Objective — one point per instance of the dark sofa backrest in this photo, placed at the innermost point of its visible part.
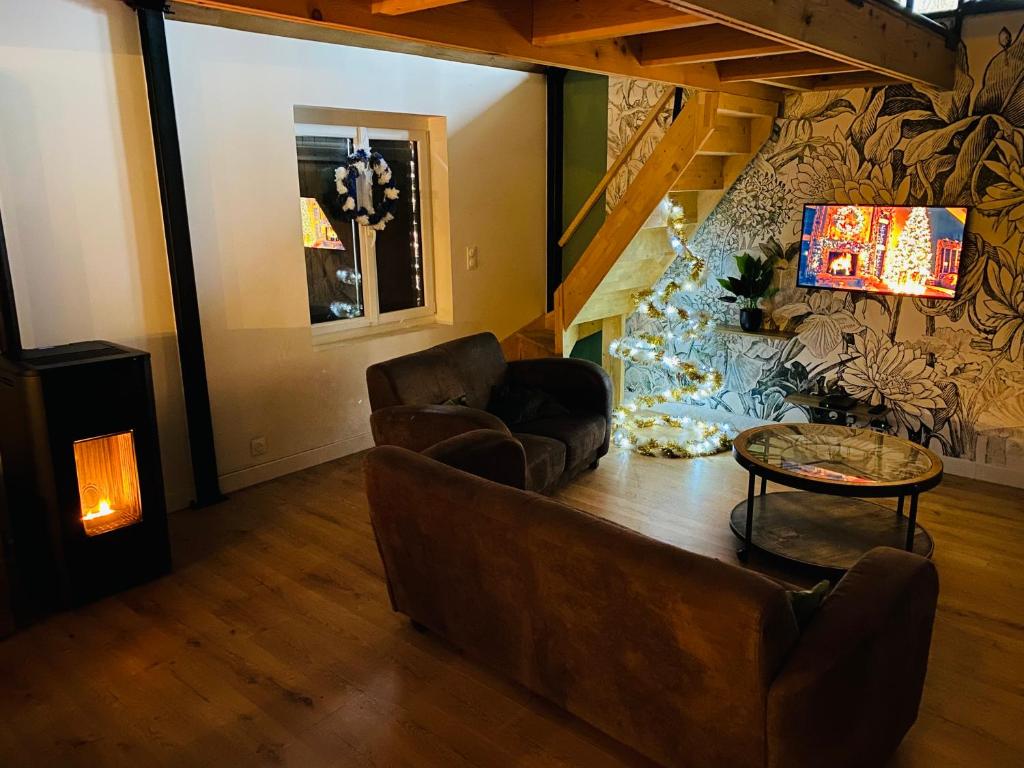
(469, 366)
(668, 651)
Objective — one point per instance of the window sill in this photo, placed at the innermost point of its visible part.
(332, 338)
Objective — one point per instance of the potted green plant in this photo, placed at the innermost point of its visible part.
(753, 284)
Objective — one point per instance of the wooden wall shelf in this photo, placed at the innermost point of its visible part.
(769, 333)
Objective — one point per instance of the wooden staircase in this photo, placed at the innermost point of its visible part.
(702, 153)
(534, 340)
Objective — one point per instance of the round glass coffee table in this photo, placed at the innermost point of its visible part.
(826, 523)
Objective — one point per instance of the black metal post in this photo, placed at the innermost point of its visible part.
(556, 137)
(677, 103)
(748, 534)
(179, 249)
(912, 522)
(10, 333)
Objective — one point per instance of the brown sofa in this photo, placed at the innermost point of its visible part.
(688, 660)
(408, 397)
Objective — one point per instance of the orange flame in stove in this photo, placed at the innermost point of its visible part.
(102, 510)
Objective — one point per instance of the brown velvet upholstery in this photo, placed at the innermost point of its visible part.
(579, 385)
(545, 459)
(405, 392)
(486, 453)
(582, 436)
(469, 366)
(689, 660)
(420, 426)
(858, 671)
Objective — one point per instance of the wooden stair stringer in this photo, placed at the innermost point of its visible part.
(670, 159)
(701, 193)
(701, 155)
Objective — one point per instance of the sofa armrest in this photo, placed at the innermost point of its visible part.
(416, 427)
(579, 385)
(486, 453)
(850, 689)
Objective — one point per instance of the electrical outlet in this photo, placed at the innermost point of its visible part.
(258, 446)
(472, 257)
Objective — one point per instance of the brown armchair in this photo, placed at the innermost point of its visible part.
(411, 402)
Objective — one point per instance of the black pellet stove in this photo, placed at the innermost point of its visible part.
(81, 462)
(83, 512)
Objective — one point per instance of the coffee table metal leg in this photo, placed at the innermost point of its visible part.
(912, 522)
(764, 485)
(899, 507)
(744, 551)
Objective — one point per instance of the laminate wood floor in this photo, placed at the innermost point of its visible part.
(273, 643)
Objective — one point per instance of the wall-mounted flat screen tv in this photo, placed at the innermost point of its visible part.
(892, 250)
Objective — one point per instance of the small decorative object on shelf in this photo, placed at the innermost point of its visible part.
(753, 284)
(833, 405)
(347, 177)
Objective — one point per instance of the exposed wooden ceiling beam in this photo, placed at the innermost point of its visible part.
(493, 32)
(702, 44)
(398, 7)
(791, 65)
(556, 22)
(833, 82)
(870, 34)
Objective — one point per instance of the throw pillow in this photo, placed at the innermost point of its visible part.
(518, 404)
(805, 602)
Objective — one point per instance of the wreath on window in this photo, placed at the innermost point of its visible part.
(346, 178)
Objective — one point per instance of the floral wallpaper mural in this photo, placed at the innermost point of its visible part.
(630, 101)
(952, 372)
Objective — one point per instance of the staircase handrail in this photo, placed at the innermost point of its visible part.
(616, 166)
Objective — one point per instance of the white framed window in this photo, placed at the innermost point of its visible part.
(361, 280)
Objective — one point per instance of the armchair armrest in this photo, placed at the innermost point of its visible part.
(850, 689)
(416, 427)
(486, 453)
(579, 385)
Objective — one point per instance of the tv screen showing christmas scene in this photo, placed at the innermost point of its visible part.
(895, 250)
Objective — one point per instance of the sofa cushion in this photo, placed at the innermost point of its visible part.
(479, 364)
(470, 366)
(806, 602)
(516, 403)
(581, 433)
(423, 378)
(545, 461)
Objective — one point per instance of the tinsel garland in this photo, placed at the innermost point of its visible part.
(345, 179)
(713, 438)
(692, 264)
(693, 382)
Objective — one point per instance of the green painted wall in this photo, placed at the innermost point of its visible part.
(584, 161)
(588, 348)
(585, 156)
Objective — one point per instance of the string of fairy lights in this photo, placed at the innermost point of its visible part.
(658, 434)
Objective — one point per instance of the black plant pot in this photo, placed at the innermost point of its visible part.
(750, 319)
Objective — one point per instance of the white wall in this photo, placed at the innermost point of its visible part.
(78, 191)
(82, 216)
(234, 93)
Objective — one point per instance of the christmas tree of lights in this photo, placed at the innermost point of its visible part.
(636, 426)
(909, 264)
